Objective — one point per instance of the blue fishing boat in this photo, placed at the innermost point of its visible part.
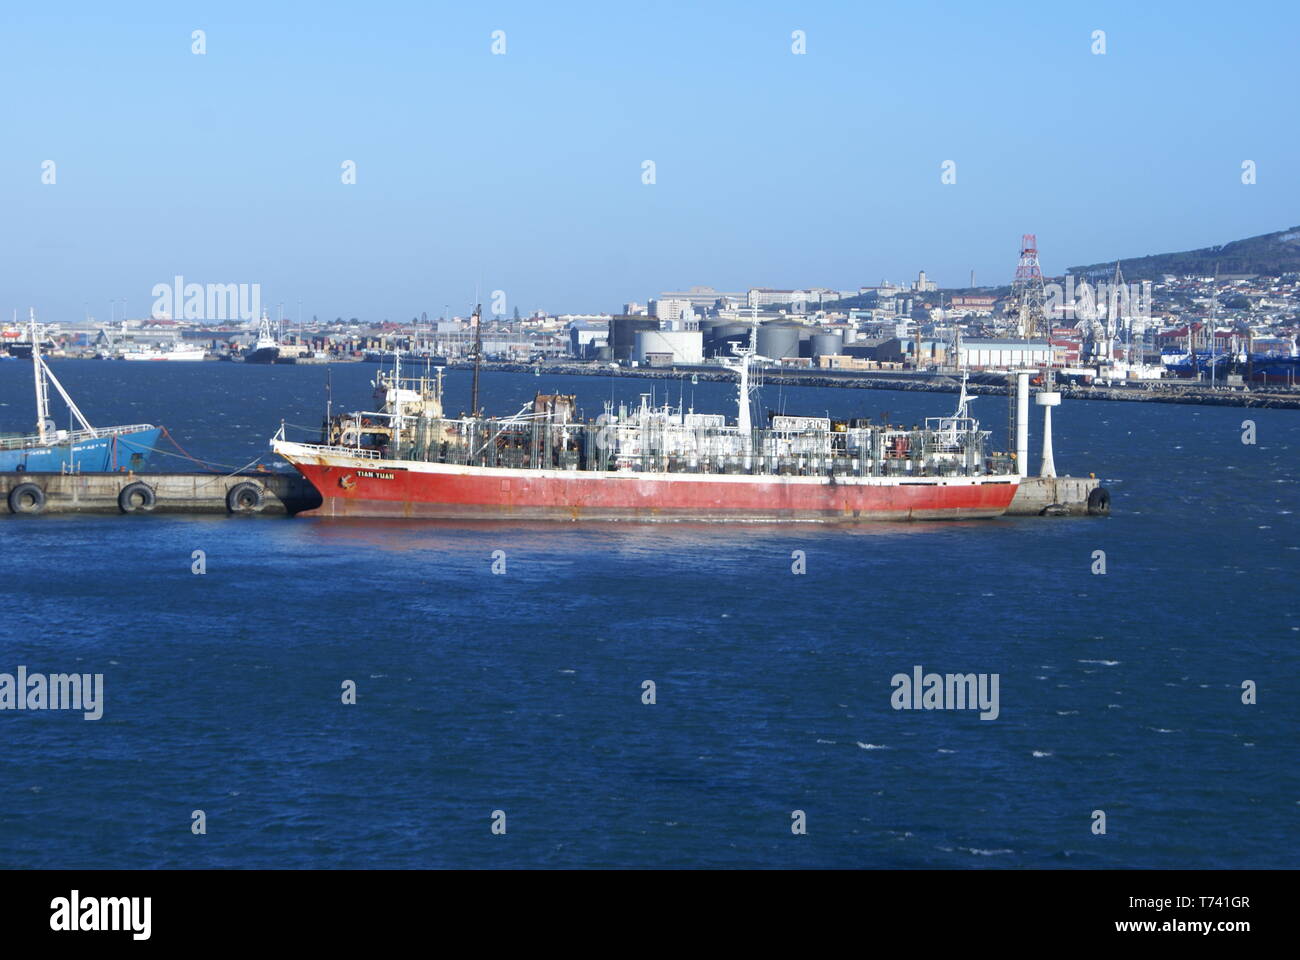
(1266, 368)
(87, 450)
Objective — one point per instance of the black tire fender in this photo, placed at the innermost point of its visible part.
(128, 495)
(1099, 502)
(245, 497)
(27, 498)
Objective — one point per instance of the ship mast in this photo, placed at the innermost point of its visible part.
(478, 358)
(42, 388)
(44, 376)
(742, 400)
(397, 385)
(264, 338)
(963, 399)
(744, 356)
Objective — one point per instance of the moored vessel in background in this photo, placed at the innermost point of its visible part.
(10, 335)
(16, 340)
(267, 348)
(172, 352)
(1272, 368)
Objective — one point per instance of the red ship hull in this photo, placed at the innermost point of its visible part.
(353, 487)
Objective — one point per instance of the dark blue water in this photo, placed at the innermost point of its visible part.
(522, 692)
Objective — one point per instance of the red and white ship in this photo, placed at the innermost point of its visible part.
(647, 462)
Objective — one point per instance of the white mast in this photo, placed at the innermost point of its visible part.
(744, 357)
(742, 398)
(264, 338)
(44, 373)
(38, 371)
(963, 399)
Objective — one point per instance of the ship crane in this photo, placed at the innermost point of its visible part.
(45, 376)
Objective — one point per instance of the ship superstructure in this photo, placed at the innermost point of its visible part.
(644, 461)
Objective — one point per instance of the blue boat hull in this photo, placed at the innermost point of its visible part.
(1263, 368)
(123, 451)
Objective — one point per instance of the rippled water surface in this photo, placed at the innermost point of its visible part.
(522, 692)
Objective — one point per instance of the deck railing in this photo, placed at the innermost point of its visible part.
(364, 452)
(57, 438)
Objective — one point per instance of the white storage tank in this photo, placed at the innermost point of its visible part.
(683, 346)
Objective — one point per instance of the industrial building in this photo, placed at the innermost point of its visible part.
(1004, 354)
(900, 349)
(701, 298)
(586, 338)
(622, 334)
(971, 354)
(674, 314)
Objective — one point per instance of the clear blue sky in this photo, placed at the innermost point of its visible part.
(522, 172)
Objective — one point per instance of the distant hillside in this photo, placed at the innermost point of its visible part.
(1270, 254)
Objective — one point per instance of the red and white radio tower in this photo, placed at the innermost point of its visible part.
(1028, 296)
